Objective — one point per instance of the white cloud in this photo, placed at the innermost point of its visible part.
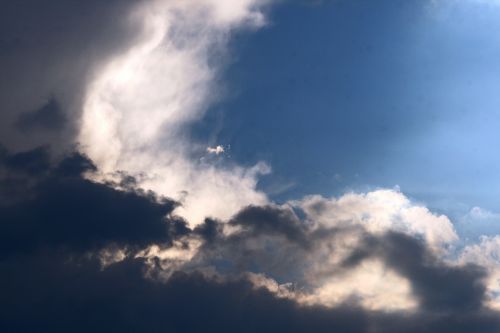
(371, 284)
(487, 254)
(479, 221)
(138, 108)
(215, 150)
(481, 214)
(380, 211)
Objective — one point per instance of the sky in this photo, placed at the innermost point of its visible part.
(249, 165)
(371, 94)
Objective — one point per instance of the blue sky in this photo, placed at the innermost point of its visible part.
(350, 95)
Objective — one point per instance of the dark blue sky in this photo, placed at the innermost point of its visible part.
(361, 94)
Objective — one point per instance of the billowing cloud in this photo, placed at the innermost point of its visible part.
(138, 108)
(379, 211)
(119, 251)
(487, 254)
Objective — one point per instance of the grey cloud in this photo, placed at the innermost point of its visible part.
(269, 220)
(49, 117)
(49, 51)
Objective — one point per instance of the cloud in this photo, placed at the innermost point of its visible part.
(439, 287)
(308, 255)
(371, 284)
(487, 254)
(136, 232)
(479, 221)
(119, 298)
(332, 264)
(48, 117)
(52, 51)
(215, 150)
(380, 211)
(53, 206)
(78, 255)
(139, 106)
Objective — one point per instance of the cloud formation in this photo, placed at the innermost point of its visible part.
(81, 255)
(379, 211)
(125, 80)
(48, 54)
(136, 231)
(138, 108)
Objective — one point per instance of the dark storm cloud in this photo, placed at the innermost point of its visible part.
(56, 207)
(48, 52)
(33, 162)
(120, 299)
(49, 283)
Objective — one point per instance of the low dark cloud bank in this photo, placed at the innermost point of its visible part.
(57, 208)
(55, 220)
